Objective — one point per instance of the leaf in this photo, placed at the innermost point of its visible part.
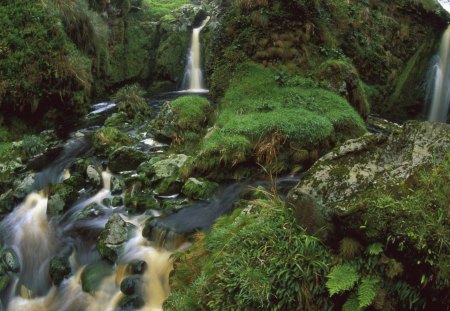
(367, 291)
(341, 278)
(352, 304)
(375, 249)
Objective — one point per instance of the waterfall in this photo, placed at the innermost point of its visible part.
(438, 84)
(445, 4)
(193, 78)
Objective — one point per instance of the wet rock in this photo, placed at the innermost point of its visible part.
(6, 202)
(147, 167)
(26, 186)
(10, 260)
(117, 185)
(132, 285)
(116, 201)
(138, 266)
(62, 198)
(77, 181)
(165, 124)
(169, 186)
(91, 211)
(174, 204)
(55, 205)
(169, 167)
(59, 267)
(140, 201)
(93, 275)
(125, 159)
(93, 176)
(131, 303)
(112, 238)
(80, 167)
(198, 189)
(106, 202)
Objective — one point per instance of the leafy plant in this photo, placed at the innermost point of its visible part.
(130, 100)
(341, 278)
(33, 145)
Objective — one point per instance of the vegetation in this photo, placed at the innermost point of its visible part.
(272, 119)
(107, 139)
(256, 260)
(130, 100)
(161, 8)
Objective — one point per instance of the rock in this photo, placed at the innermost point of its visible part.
(6, 202)
(131, 303)
(374, 158)
(174, 204)
(125, 158)
(62, 198)
(10, 260)
(117, 185)
(59, 267)
(132, 285)
(91, 211)
(140, 201)
(165, 124)
(137, 266)
(168, 167)
(4, 282)
(169, 186)
(112, 238)
(55, 205)
(116, 119)
(93, 176)
(80, 167)
(106, 202)
(198, 189)
(116, 201)
(93, 275)
(26, 186)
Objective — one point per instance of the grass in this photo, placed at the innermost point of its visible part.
(192, 112)
(130, 100)
(159, 8)
(257, 260)
(257, 112)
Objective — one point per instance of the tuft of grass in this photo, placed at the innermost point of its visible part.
(107, 139)
(130, 100)
(158, 8)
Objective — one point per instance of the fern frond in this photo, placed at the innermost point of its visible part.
(375, 249)
(367, 291)
(341, 278)
(352, 304)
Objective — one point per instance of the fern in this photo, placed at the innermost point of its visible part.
(341, 278)
(375, 249)
(367, 291)
(352, 304)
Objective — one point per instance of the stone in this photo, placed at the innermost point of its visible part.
(132, 285)
(117, 185)
(6, 202)
(198, 188)
(131, 303)
(116, 201)
(93, 275)
(125, 159)
(169, 167)
(140, 201)
(10, 260)
(93, 176)
(112, 238)
(62, 198)
(59, 267)
(91, 211)
(169, 186)
(26, 186)
(138, 266)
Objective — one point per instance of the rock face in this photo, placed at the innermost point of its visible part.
(112, 238)
(373, 159)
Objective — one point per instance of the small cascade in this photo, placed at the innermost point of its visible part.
(193, 77)
(438, 84)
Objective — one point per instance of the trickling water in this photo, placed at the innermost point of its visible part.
(438, 85)
(193, 78)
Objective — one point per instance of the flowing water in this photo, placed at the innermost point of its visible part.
(438, 82)
(193, 78)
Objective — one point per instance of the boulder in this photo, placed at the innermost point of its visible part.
(62, 198)
(132, 285)
(10, 260)
(112, 238)
(116, 201)
(168, 167)
(91, 211)
(25, 186)
(117, 185)
(131, 303)
(93, 275)
(59, 267)
(93, 176)
(140, 201)
(137, 266)
(125, 159)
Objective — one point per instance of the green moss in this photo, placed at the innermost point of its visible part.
(130, 100)
(161, 8)
(192, 112)
(107, 139)
(198, 188)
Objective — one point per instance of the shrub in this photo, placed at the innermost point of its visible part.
(33, 145)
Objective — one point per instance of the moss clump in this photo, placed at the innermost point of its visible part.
(107, 139)
(252, 260)
(198, 188)
(262, 120)
(161, 8)
(130, 100)
(193, 112)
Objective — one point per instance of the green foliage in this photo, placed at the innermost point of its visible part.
(341, 278)
(33, 145)
(159, 8)
(193, 112)
(41, 70)
(271, 117)
(107, 139)
(257, 260)
(130, 100)
(367, 291)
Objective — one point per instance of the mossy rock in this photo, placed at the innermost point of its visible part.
(108, 139)
(112, 238)
(59, 267)
(116, 120)
(140, 202)
(125, 159)
(62, 198)
(94, 274)
(199, 188)
(169, 186)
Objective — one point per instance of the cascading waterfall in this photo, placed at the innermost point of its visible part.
(193, 77)
(438, 84)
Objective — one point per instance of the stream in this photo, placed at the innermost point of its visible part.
(34, 239)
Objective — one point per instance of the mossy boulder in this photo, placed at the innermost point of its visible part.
(62, 197)
(93, 275)
(125, 159)
(25, 186)
(140, 201)
(112, 238)
(117, 119)
(59, 267)
(108, 139)
(91, 211)
(199, 188)
(170, 167)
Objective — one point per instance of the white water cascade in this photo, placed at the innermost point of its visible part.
(193, 77)
(439, 86)
(445, 4)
